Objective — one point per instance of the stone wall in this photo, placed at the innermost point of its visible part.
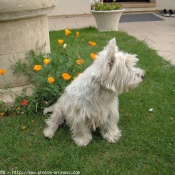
(23, 26)
(73, 7)
(165, 4)
(79, 7)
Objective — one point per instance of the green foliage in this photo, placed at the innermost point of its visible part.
(63, 60)
(105, 6)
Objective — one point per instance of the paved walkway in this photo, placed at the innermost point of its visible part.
(159, 35)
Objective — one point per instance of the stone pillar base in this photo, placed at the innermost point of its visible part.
(23, 26)
(18, 37)
(8, 95)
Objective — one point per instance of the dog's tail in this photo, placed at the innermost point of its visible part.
(54, 121)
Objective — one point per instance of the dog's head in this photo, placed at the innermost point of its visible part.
(117, 71)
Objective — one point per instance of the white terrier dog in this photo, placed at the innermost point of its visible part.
(91, 100)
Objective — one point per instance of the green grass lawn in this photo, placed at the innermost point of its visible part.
(147, 145)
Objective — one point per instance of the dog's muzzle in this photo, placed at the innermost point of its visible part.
(143, 76)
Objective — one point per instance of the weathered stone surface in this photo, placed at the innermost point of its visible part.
(23, 26)
(10, 9)
(9, 95)
(21, 35)
(17, 38)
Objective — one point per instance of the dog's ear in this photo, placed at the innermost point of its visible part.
(106, 59)
(112, 42)
(111, 50)
(106, 65)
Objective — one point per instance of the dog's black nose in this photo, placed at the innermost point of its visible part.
(143, 76)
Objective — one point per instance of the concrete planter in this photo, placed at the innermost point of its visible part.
(107, 20)
(23, 26)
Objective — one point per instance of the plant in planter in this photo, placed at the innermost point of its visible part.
(98, 6)
(107, 15)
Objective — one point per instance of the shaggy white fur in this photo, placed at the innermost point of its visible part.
(91, 100)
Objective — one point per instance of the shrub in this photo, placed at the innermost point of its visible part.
(105, 6)
(51, 73)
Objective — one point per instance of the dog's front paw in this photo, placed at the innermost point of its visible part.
(113, 136)
(82, 141)
(48, 133)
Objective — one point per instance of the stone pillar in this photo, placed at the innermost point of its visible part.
(23, 26)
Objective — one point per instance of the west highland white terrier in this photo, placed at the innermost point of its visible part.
(91, 101)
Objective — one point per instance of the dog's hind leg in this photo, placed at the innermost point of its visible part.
(53, 122)
(49, 109)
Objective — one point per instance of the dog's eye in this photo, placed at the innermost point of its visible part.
(138, 75)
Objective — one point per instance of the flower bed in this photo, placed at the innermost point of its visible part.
(51, 73)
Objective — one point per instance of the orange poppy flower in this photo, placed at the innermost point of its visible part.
(92, 43)
(2, 71)
(46, 61)
(37, 67)
(77, 34)
(93, 56)
(66, 76)
(60, 41)
(67, 32)
(80, 61)
(50, 80)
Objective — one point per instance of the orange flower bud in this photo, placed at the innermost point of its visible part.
(80, 61)
(66, 76)
(50, 80)
(77, 34)
(37, 67)
(2, 71)
(93, 56)
(46, 61)
(67, 32)
(92, 43)
(60, 41)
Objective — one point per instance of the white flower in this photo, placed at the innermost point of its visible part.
(151, 110)
(65, 45)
